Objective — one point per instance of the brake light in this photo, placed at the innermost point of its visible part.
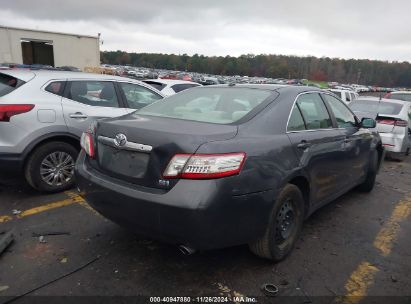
(401, 123)
(393, 122)
(86, 143)
(8, 110)
(388, 95)
(386, 121)
(204, 166)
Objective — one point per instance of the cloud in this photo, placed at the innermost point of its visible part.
(359, 29)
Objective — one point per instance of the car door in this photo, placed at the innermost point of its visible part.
(319, 146)
(87, 100)
(137, 96)
(357, 140)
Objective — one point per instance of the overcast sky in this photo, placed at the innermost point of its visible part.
(373, 29)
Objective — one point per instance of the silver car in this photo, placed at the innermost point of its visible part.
(43, 114)
(393, 122)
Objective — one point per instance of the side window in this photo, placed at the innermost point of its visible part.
(352, 96)
(296, 122)
(314, 111)
(344, 117)
(138, 96)
(347, 97)
(56, 87)
(337, 93)
(94, 93)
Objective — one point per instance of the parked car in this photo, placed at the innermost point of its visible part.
(345, 95)
(218, 166)
(393, 122)
(43, 114)
(399, 95)
(171, 86)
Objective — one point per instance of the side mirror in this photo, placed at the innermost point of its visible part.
(368, 123)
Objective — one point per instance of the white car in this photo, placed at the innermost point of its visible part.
(170, 87)
(345, 95)
(399, 95)
(393, 122)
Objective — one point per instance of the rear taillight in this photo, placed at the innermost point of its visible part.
(204, 166)
(388, 95)
(393, 122)
(401, 123)
(8, 110)
(386, 121)
(86, 143)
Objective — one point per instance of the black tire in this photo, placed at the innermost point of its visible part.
(36, 161)
(273, 245)
(369, 182)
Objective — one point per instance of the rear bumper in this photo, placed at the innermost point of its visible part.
(202, 214)
(394, 143)
(11, 165)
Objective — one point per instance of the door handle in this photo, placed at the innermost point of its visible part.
(303, 145)
(347, 140)
(78, 115)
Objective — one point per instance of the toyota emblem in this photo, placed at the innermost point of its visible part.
(120, 140)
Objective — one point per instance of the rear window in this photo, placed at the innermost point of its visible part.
(183, 86)
(213, 105)
(9, 83)
(382, 107)
(337, 93)
(157, 85)
(400, 96)
(56, 87)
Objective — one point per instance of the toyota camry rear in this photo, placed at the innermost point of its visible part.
(219, 166)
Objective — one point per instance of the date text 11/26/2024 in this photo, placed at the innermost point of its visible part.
(204, 299)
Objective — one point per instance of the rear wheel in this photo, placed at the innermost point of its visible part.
(284, 226)
(50, 167)
(369, 182)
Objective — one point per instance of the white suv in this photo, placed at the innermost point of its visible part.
(345, 95)
(43, 114)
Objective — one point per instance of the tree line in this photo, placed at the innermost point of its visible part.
(362, 71)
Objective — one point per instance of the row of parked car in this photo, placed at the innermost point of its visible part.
(208, 167)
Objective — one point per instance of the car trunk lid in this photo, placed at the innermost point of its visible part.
(386, 123)
(150, 143)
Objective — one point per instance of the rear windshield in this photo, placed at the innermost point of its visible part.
(400, 96)
(183, 86)
(214, 105)
(9, 84)
(157, 85)
(382, 107)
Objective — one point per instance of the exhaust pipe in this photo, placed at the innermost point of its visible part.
(186, 250)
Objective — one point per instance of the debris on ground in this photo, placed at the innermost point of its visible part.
(6, 240)
(394, 279)
(270, 290)
(54, 280)
(42, 239)
(3, 288)
(64, 260)
(16, 211)
(330, 290)
(284, 282)
(35, 234)
(299, 287)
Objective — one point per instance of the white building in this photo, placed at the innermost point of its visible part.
(26, 46)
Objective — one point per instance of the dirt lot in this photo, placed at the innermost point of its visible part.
(358, 246)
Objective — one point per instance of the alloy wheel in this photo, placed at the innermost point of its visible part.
(57, 168)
